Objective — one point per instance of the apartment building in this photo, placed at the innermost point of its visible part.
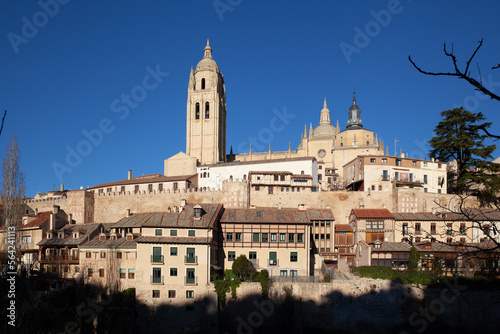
(276, 182)
(386, 173)
(370, 225)
(277, 240)
(177, 253)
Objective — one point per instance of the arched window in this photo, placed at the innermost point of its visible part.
(203, 83)
(197, 112)
(302, 172)
(205, 174)
(341, 144)
(207, 110)
(367, 143)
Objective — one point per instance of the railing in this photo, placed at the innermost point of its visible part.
(272, 262)
(156, 258)
(191, 280)
(255, 262)
(385, 178)
(191, 259)
(418, 232)
(157, 280)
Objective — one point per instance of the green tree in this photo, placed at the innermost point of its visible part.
(458, 139)
(243, 268)
(414, 257)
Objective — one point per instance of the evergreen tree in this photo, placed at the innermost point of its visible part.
(458, 139)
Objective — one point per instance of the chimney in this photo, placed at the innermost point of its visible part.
(55, 209)
(123, 233)
(62, 187)
(36, 211)
(130, 236)
(70, 218)
(302, 207)
(183, 202)
(129, 174)
(128, 212)
(52, 225)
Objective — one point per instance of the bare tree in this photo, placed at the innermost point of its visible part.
(465, 74)
(12, 192)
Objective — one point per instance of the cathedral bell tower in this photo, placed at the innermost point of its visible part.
(206, 112)
(354, 121)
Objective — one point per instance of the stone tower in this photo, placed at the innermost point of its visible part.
(354, 121)
(206, 112)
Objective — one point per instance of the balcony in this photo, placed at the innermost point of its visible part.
(385, 178)
(157, 279)
(418, 232)
(191, 280)
(191, 259)
(255, 262)
(272, 262)
(157, 259)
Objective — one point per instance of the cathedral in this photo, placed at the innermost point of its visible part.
(206, 141)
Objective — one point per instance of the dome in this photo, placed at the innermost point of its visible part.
(207, 63)
(324, 130)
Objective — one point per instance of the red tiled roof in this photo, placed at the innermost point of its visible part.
(342, 228)
(265, 216)
(372, 213)
(42, 217)
(320, 214)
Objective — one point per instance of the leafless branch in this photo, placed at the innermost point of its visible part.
(3, 120)
(465, 75)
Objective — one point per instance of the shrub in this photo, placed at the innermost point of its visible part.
(414, 258)
(243, 268)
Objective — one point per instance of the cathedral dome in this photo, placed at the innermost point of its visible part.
(324, 130)
(207, 63)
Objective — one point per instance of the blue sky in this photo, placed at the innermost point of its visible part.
(64, 66)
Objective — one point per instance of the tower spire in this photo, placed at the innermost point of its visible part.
(208, 50)
(354, 121)
(325, 114)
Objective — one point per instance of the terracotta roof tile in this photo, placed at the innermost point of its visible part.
(372, 213)
(320, 214)
(342, 228)
(152, 178)
(173, 240)
(265, 216)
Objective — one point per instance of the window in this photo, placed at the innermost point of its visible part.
(231, 256)
(396, 176)
(425, 179)
(203, 83)
(238, 237)
(282, 237)
(252, 255)
(173, 251)
(171, 293)
(119, 254)
(156, 278)
(189, 294)
(425, 164)
(274, 237)
(265, 237)
(276, 177)
(257, 188)
(273, 258)
(417, 228)
(190, 255)
(156, 293)
(122, 189)
(150, 187)
(156, 257)
(449, 228)
(173, 271)
(191, 233)
(373, 160)
(384, 160)
(123, 273)
(207, 110)
(256, 237)
(88, 254)
(270, 190)
(300, 237)
(283, 272)
(197, 111)
(26, 239)
(373, 187)
(405, 229)
(131, 273)
(103, 254)
(282, 177)
(90, 272)
(229, 237)
(293, 256)
(379, 187)
(173, 233)
(160, 186)
(158, 232)
(414, 163)
(398, 162)
(190, 278)
(374, 225)
(293, 273)
(136, 189)
(291, 237)
(433, 228)
(462, 228)
(101, 272)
